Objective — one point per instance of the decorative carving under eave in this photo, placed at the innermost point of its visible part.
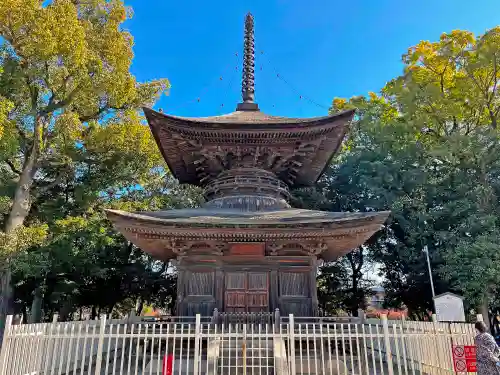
(274, 247)
(210, 160)
(303, 230)
(221, 248)
(313, 248)
(187, 247)
(178, 247)
(298, 154)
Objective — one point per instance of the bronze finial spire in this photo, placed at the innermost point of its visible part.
(248, 77)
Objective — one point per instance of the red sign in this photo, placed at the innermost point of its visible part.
(464, 358)
(168, 362)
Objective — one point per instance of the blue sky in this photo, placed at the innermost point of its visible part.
(321, 48)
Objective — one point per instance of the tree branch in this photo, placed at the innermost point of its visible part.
(12, 167)
(54, 106)
(101, 111)
(20, 131)
(58, 180)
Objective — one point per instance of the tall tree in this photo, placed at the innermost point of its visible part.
(66, 66)
(430, 141)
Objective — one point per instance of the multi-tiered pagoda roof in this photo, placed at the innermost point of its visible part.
(247, 162)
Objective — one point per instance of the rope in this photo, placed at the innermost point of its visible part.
(228, 89)
(206, 88)
(292, 87)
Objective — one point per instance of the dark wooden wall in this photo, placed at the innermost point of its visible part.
(246, 284)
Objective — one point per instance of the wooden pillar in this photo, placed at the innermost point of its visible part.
(274, 301)
(313, 286)
(219, 289)
(181, 289)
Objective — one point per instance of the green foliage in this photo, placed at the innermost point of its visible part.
(427, 149)
(68, 86)
(72, 143)
(21, 239)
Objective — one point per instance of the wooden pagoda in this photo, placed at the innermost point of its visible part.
(246, 249)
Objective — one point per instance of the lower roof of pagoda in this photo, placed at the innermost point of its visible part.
(296, 150)
(158, 232)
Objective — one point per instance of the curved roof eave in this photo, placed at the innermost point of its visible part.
(249, 119)
(291, 217)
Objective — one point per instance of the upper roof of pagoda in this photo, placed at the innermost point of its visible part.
(296, 150)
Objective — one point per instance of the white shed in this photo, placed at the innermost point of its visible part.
(449, 307)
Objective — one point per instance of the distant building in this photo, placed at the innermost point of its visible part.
(376, 299)
(375, 305)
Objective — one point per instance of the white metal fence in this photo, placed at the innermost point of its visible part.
(290, 347)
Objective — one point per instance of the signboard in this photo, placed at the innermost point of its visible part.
(464, 358)
(449, 308)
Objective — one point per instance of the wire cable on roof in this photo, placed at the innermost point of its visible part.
(208, 87)
(229, 86)
(292, 87)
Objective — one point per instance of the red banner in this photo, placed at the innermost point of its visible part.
(168, 364)
(464, 358)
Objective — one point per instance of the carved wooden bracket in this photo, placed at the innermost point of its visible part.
(212, 159)
(309, 248)
(186, 247)
(314, 248)
(274, 247)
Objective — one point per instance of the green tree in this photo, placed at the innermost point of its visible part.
(426, 148)
(66, 69)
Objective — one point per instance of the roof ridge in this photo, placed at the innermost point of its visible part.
(245, 117)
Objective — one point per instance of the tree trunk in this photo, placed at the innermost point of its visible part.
(22, 196)
(93, 313)
(354, 302)
(110, 311)
(139, 306)
(484, 311)
(18, 213)
(66, 310)
(36, 305)
(25, 314)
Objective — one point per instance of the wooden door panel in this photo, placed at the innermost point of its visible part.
(294, 284)
(246, 291)
(235, 299)
(257, 300)
(201, 284)
(236, 280)
(257, 281)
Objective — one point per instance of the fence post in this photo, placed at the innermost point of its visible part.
(244, 350)
(215, 317)
(387, 342)
(197, 339)
(277, 320)
(439, 342)
(100, 345)
(3, 348)
(291, 343)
